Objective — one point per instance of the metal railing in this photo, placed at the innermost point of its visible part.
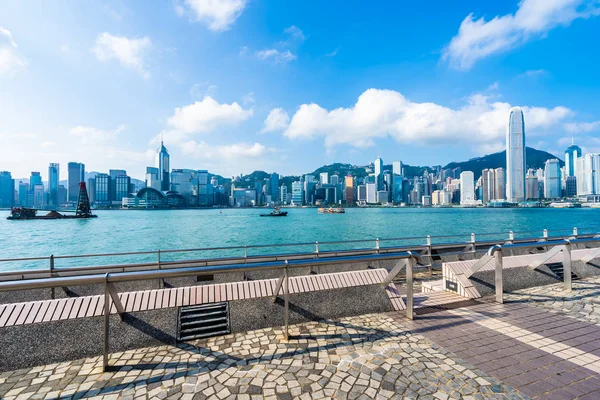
(348, 247)
(111, 296)
(563, 246)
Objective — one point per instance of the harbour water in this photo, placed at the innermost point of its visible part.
(129, 231)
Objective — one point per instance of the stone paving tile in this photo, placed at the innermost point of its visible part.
(370, 356)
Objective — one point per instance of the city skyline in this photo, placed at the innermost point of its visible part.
(284, 88)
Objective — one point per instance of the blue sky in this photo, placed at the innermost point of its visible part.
(287, 86)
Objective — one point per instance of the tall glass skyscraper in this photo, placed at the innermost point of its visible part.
(7, 189)
(572, 153)
(379, 173)
(76, 175)
(162, 163)
(552, 179)
(515, 156)
(53, 178)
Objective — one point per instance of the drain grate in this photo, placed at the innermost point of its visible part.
(199, 322)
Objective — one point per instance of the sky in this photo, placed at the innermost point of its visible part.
(234, 86)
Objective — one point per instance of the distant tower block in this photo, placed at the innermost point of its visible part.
(515, 156)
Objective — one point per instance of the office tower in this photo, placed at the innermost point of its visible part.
(274, 187)
(349, 184)
(112, 187)
(515, 156)
(334, 179)
(456, 172)
(552, 180)
(309, 187)
(102, 188)
(378, 167)
(153, 178)
(371, 194)
(572, 153)
(38, 194)
(185, 183)
(467, 187)
(163, 165)
(397, 168)
(62, 194)
(122, 184)
(35, 179)
(23, 190)
(7, 189)
(53, 179)
(206, 189)
(297, 192)
(488, 185)
(532, 187)
(75, 175)
(283, 194)
(571, 187)
(324, 178)
(500, 184)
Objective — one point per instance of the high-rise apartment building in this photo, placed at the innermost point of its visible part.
(588, 174)
(75, 175)
(53, 179)
(488, 185)
(500, 184)
(552, 180)
(467, 188)
(515, 156)
(572, 153)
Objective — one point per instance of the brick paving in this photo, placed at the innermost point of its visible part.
(370, 356)
(528, 342)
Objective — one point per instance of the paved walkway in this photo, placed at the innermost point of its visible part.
(362, 357)
(544, 343)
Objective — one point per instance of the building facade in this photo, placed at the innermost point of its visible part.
(467, 188)
(515, 156)
(75, 175)
(53, 179)
(7, 189)
(552, 180)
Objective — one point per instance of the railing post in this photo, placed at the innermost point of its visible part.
(106, 323)
(567, 266)
(545, 233)
(377, 245)
(430, 266)
(246, 253)
(161, 282)
(286, 301)
(409, 288)
(511, 237)
(498, 277)
(473, 248)
(317, 248)
(575, 233)
(52, 293)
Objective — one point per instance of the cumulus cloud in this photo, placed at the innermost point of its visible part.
(277, 120)
(218, 15)
(381, 113)
(206, 115)
(280, 57)
(578, 127)
(478, 38)
(533, 73)
(129, 52)
(295, 33)
(10, 58)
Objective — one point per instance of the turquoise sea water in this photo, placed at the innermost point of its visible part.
(127, 231)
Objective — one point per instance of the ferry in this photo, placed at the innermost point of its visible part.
(331, 210)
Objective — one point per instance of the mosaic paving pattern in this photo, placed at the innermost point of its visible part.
(370, 356)
(582, 303)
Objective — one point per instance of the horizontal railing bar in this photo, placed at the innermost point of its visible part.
(96, 279)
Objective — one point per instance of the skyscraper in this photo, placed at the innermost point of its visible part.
(572, 153)
(324, 177)
(349, 190)
(379, 173)
(467, 187)
(76, 175)
(274, 187)
(552, 181)
(53, 179)
(397, 168)
(500, 186)
(162, 163)
(7, 189)
(515, 156)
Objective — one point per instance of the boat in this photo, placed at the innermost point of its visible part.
(275, 213)
(83, 211)
(331, 210)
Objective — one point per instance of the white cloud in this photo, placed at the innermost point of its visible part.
(129, 52)
(219, 15)
(333, 53)
(248, 98)
(477, 38)
(494, 86)
(577, 127)
(206, 115)
(10, 58)
(381, 113)
(91, 135)
(295, 33)
(534, 72)
(280, 57)
(277, 120)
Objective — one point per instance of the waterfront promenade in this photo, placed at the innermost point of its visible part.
(542, 343)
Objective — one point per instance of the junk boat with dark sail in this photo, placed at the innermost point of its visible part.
(83, 210)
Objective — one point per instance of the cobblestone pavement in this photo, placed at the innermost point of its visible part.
(370, 356)
(582, 303)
